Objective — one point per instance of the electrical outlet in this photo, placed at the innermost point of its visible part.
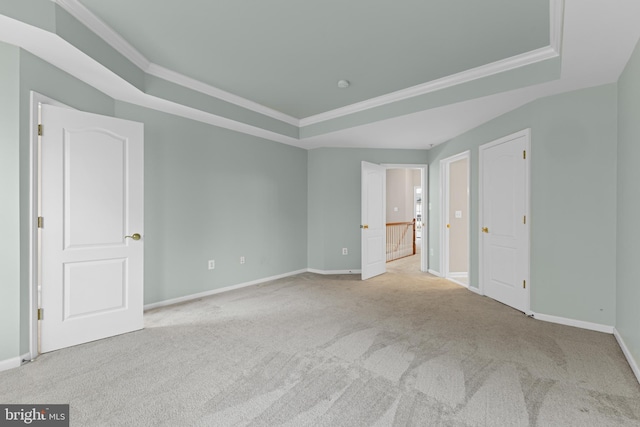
(212, 264)
(345, 251)
(242, 260)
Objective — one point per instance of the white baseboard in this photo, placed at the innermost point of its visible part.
(475, 290)
(627, 354)
(459, 274)
(219, 290)
(12, 363)
(572, 322)
(325, 272)
(435, 273)
(453, 280)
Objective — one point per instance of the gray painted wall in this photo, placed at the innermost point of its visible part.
(573, 198)
(9, 203)
(335, 202)
(39, 76)
(628, 208)
(22, 72)
(33, 74)
(210, 194)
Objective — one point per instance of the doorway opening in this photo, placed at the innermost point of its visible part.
(455, 215)
(405, 216)
(374, 216)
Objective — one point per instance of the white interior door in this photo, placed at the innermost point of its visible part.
(373, 226)
(504, 193)
(92, 201)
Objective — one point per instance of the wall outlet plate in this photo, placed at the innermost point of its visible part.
(345, 251)
(212, 264)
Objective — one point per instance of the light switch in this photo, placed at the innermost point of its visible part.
(458, 214)
(395, 209)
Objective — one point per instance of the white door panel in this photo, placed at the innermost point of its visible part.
(94, 287)
(373, 226)
(94, 162)
(92, 197)
(504, 232)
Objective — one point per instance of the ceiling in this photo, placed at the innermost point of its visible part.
(597, 42)
(422, 71)
(288, 55)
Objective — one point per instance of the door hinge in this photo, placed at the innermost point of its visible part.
(40, 313)
(40, 222)
(39, 130)
(524, 284)
(524, 219)
(524, 154)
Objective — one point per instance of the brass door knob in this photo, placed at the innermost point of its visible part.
(448, 225)
(134, 236)
(366, 226)
(485, 229)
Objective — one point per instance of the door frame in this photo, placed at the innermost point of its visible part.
(36, 99)
(424, 180)
(444, 215)
(527, 177)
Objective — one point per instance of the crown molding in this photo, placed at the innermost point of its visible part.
(455, 79)
(61, 54)
(177, 109)
(556, 17)
(105, 32)
(556, 12)
(198, 86)
(556, 27)
(556, 24)
(116, 41)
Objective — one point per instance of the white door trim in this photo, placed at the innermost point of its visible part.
(424, 175)
(36, 99)
(527, 134)
(444, 214)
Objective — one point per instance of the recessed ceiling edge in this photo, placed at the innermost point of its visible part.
(110, 36)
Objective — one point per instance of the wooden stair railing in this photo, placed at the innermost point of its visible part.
(401, 240)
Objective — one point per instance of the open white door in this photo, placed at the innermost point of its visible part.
(504, 243)
(373, 226)
(92, 209)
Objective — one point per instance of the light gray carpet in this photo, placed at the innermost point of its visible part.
(403, 349)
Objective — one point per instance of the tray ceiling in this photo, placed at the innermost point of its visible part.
(288, 55)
